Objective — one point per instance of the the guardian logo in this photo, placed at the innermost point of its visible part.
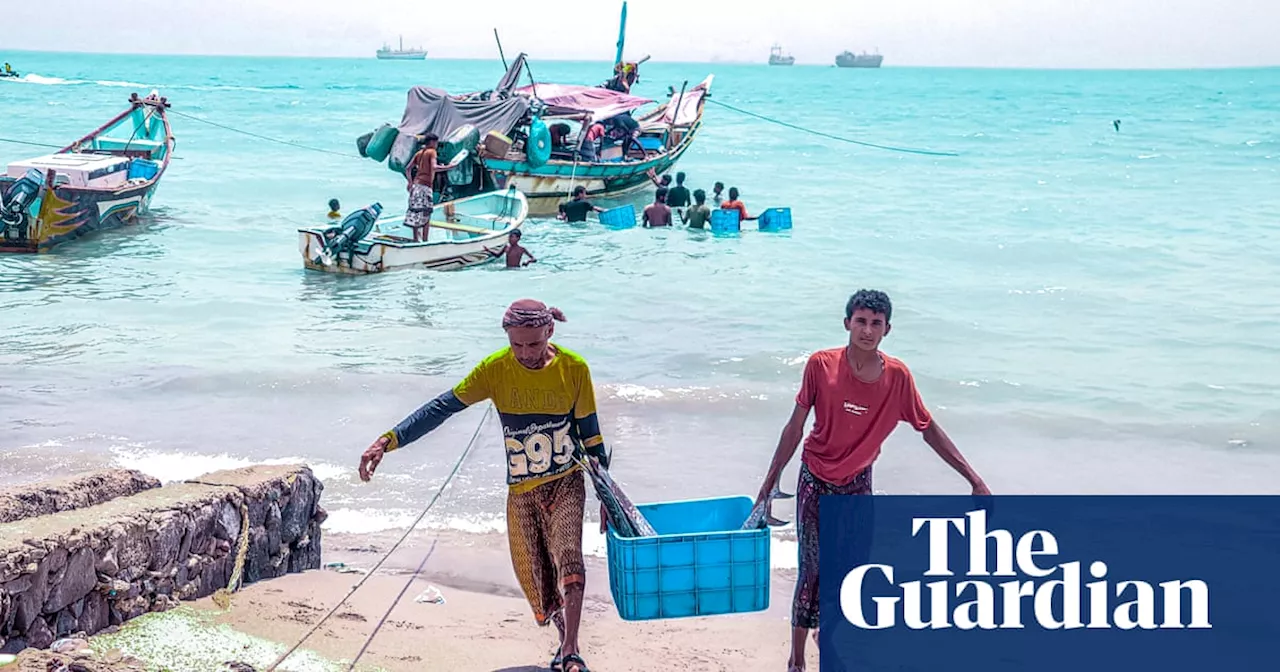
(1135, 603)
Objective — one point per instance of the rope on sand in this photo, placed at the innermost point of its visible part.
(261, 137)
(222, 597)
(779, 122)
(457, 465)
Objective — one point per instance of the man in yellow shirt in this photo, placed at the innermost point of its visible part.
(546, 401)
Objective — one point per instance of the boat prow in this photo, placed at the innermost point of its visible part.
(462, 233)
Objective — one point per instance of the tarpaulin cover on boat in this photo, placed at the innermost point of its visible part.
(571, 99)
(435, 111)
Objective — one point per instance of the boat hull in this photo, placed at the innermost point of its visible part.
(859, 61)
(459, 244)
(71, 194)
(75, 213)
(547, 188)
(392, 255)
(403, 57)
(552, 183)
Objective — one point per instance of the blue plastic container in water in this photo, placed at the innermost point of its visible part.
(700, 563)
(621, 217)
(143, 168)
(725, 221)
(775, 219)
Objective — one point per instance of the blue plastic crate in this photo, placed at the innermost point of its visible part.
(699, 564)
(143, 168)
(651, 143)
(621, 217)
(775, 219)
(726, 221)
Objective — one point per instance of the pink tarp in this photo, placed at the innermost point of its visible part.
(688, 112)
(566, 99)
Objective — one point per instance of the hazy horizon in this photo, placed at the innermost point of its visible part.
(1052, 34)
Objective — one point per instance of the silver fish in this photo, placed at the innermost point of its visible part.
(762, 513)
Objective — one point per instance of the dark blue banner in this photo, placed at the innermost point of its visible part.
(1049, 583)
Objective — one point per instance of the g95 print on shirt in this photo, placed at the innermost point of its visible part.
(539, 452)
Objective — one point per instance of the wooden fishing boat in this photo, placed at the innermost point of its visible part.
(535, 137)
(99, 182)
(465, 232)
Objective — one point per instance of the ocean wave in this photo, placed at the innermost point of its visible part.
(43, 80)
(173, 466)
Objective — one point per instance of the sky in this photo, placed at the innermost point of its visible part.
(975, 33)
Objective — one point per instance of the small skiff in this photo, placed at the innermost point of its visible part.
(465, 232)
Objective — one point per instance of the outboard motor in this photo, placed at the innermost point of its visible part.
(344, 236)
(15, 201)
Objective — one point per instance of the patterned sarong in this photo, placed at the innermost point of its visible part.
(804, 606)
(420, 206)
(544, 529)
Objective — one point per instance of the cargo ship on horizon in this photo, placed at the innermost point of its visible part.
(848, 59)
(386, 53)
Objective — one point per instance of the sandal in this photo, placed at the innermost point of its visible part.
(555, 663)
(575, 659)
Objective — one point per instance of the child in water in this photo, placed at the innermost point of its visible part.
(514, 251)
(334, 208)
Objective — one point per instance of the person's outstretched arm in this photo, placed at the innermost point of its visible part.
(426, 418)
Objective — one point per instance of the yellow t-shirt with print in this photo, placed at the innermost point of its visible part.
(548, 415)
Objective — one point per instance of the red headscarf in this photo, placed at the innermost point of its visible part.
(530, 313)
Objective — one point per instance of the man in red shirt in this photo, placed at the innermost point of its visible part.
(859, 395)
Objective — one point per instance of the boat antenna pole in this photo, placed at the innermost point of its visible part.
(622, 35)
(675, 115)
(500, 54)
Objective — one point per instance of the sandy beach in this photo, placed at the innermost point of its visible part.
(484, 622)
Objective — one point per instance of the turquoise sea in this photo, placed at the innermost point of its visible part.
(1085, 310)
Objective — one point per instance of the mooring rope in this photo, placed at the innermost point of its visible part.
(262, 137)
(457, 465)
(762, 117)
(32, 144)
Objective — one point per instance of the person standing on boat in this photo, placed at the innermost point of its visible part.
(547, 406)
(589, 148)
(859, 394)
(422, 174)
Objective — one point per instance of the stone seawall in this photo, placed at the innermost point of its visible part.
(77, 492)
(85, 569)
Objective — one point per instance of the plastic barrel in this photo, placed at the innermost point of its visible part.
(402, 151)
(463, 139)
(538, 149)
(380, 144)
(362, 144)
